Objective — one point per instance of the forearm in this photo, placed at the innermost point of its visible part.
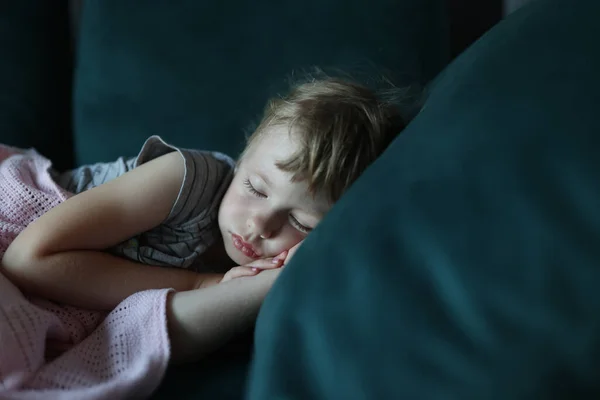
(199, 321)
(93, 279)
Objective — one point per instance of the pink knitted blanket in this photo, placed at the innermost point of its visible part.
(121, 354)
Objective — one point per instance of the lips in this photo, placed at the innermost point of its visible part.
(243, 247)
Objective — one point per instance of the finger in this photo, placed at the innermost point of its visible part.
(268, 263)
(238, 272)
(244, 271)
(283, 255)
(288, 258)
(291, 253)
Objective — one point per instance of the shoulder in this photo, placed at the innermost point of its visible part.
(204, 171)
(155, 147)
(206, 177)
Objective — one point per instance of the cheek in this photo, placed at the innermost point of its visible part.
(234, 205)
(229, 206)
(288, 238)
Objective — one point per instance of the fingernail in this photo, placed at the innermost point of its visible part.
(254, 269)
(276, 260)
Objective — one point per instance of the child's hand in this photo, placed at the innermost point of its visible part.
(290, 253)
(255, 267)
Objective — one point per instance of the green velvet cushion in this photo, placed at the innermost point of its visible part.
(199, 72)
(465, 264)
(35, 78)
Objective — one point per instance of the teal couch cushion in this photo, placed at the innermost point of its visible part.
(465, 264)
(35, 78)
(199, 73)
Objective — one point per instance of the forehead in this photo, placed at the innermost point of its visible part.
(276, 142)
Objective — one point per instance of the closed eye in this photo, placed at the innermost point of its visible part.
(298, 225)
(252, 190)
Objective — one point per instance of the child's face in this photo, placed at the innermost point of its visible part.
(263, 213)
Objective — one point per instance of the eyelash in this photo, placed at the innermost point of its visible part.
(299, 226)
(293, 221)
(252, 190)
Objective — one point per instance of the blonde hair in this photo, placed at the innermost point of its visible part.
(342, 127)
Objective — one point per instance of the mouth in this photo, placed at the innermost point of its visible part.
(245, 248)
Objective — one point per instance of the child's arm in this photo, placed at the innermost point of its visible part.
(200, 321)
(59, 256)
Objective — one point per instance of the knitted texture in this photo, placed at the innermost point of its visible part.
(27, 191)
(50, 351)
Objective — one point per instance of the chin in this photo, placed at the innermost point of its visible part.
(237, 258)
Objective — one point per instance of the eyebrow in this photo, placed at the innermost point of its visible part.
(264, 179)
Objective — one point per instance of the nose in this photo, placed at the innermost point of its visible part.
(261, 226)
